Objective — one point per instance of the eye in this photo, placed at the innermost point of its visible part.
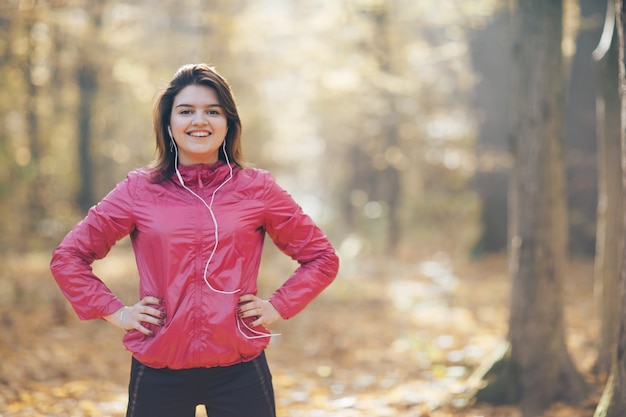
(214, 112)
(185, 112)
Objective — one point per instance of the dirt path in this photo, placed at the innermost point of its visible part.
(399, 339)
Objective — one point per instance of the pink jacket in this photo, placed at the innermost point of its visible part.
(173, 235)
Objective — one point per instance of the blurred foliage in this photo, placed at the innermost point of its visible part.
(363, 109)
(359, 107)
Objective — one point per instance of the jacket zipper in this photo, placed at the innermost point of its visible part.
(199, 288)
(199, 175)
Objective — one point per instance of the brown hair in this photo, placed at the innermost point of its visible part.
(194, 74)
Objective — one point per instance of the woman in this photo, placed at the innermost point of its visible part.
(197, 220)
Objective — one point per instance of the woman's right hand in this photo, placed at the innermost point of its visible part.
(132, 317)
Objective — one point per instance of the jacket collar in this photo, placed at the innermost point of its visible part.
(202, 175)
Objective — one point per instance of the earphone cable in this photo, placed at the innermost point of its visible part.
(239, 320)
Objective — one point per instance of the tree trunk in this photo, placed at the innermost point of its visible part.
(538, 369)
(491, 61)
(609, 228)
(388, 179)
(580, 127)
(86, 79)
(613, 401)
(35, 181)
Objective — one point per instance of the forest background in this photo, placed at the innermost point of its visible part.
(385, 119)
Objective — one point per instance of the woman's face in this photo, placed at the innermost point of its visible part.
(198, 125)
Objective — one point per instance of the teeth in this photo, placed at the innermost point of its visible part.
(199, 134)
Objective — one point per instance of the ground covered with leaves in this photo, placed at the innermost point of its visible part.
(388, 338)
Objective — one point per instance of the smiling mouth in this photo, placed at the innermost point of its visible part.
(199, 134)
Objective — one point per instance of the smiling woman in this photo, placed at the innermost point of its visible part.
(198, 125)
(197, 219)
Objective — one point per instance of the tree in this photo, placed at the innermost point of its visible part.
(86, 77)
(613, 401)
(492, 65)
(373, 171)
(580, 123)
(609, 228)
(537, 369)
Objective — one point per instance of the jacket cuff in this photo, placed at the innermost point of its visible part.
(111, 308)
(281, 307)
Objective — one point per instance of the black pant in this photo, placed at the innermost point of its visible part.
(240, 390)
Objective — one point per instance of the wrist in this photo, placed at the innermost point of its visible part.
(121, 317)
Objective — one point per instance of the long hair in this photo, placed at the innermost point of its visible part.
(194, 74)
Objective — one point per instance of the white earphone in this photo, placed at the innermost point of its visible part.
(209, 206)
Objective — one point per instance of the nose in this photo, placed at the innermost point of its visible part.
(198, 119)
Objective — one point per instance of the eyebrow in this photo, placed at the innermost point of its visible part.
(191, 105)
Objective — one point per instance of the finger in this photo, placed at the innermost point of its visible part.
(257, 322)
(252, 309)
(153, 320)
(148, 315)
(150, 311)
(150, 300)
(245, 308)
(246, 298)
(145, 331)
(244, 313)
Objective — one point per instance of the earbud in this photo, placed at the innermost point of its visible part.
(169, 129)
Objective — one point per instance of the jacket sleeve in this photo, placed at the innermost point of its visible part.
(295, 234)
(91, 239)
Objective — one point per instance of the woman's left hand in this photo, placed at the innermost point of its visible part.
(252, 306)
